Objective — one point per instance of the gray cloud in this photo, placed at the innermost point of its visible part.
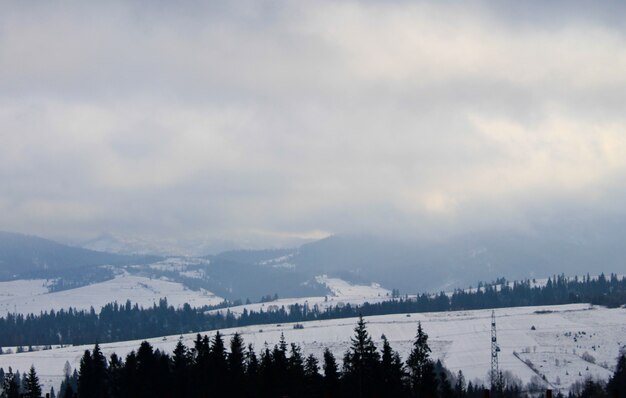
(253, 122)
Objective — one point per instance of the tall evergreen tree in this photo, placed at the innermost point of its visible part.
(115, 375)
(361, 362)
(236, 365)
(617, 384)
(459, 385)
(32, 388)
(295, 371)
(147, 370)
(331, 374)
(252, 372)
(218, 365)
(443, 381)
(420, 367)
(181, 367)
(85, 380)
(391, 370)
(313, 379)
(10, 387)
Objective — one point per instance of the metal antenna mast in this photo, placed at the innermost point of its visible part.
(494, 351)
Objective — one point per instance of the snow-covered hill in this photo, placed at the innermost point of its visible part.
(555, 346)
(342, 293)
(32, 296)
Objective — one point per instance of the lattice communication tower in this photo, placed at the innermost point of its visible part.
(494, 351)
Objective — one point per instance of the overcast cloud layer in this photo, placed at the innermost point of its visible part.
(262, 121)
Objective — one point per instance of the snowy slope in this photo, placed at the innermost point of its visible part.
(33, 297)
(460, 339)
(342, 293)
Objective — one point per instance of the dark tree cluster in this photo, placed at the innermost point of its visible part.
(12, 385)
(209, 369)
(117, 322)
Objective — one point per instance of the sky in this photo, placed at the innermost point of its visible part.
(266, 123)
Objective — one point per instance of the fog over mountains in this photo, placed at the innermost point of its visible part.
(409, 265)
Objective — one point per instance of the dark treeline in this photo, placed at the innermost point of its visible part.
(117, 322)
(210, 369)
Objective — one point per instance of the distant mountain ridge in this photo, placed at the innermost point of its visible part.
(410, 266)
(23, 256)
(459, 261)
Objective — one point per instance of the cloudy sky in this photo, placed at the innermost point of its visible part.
(260, 122)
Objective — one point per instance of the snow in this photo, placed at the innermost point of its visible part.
(279, 262)
(23, 288)
(35, 298)
(179, 263)
(346, 290)
(342, 293)
(461, 339)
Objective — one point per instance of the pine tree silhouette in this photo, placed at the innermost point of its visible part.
(420, 367)
(32, 388)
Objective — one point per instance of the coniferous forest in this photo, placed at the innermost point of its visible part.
(119, 322)
(211, 369)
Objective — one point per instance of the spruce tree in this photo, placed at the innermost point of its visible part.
(236, 365)
(85, 380)
(617, 383)
(32, 388)
(313, 379)
(459, 385)
(295, 371)
(331, 371)
(181, 367)
(420, 366)
(361, 362)
(10, 387)
(218, 367)
(115, 375)
(252, 372)
(146, 370)
(391, 370)
(267, 374)
(443, 380)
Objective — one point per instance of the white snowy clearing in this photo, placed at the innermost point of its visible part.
(26, 297)
(460, 339)
(342, 293)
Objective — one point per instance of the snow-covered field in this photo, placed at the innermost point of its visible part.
(461, 339)
(342, 293)
(32, 296)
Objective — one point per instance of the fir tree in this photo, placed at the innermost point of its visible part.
(295, 371)
(85, 381)
(146, 370)
(32, 388)
(10, 387)
(115, 375)
(361, 361)
(218, 366)
(181, 366)
(617, 383)
(252, 372)
(459, 385)
(236, 365)
(391, 370)
(443, 381)
(421, 367)
(331, 373)
(313, 379)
